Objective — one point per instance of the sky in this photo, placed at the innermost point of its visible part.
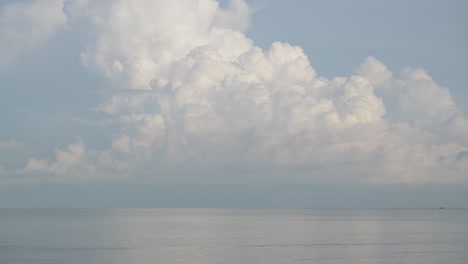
(240, 93)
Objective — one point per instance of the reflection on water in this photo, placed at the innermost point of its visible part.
(204, 236)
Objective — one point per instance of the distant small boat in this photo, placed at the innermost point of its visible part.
(441, 208)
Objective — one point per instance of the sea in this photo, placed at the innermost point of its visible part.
(235, 236)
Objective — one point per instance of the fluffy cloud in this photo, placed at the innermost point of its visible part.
(197, 101)
(24, 25)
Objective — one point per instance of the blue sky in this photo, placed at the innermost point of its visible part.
(256, 92)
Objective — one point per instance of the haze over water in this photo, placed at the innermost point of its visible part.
(204, 236)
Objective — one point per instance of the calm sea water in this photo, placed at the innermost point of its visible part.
(204, 236)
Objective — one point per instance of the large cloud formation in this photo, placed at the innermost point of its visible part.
(197, 101)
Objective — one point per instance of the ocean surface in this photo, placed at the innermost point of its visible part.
(204, 236)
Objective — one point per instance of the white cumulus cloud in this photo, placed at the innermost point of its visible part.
(197, 101)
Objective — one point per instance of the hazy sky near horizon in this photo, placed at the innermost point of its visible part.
(263, 91)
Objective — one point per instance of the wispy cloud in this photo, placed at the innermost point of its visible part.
(25, 25)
